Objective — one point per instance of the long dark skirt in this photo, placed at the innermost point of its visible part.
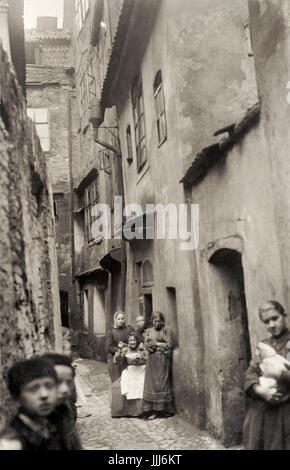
(115, 370)
(120, 406)
(157, 386)
(117, 400)
(267, 427)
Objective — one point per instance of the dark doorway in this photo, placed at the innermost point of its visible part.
(233, 339)
(172, 313)
(64, 308)
(148, 309)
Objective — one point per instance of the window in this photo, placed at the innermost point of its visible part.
(87, 92)
(139, 122)
(129, 145)
(40, 118)
(82, 7)
(91, 199)
(91, 81)
(159, 108)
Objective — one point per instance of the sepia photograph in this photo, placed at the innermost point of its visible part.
(145, 228)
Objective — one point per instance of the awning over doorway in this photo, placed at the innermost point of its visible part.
(112, 260)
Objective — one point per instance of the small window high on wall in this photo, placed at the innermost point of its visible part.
(40, 118)
(159, 108)
(139, 122)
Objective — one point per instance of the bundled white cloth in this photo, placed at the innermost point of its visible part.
(269, 358)
(132, 382)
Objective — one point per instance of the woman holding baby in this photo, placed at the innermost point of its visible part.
(267, 385)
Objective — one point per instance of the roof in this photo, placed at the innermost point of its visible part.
(34, 35)
(134, 25)
(117, 45)
(208, 156)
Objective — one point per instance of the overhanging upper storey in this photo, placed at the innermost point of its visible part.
(136, 21)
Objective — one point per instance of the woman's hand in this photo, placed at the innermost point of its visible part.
(267, 393)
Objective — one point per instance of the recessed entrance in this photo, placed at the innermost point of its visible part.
(233, 339)
(64, 308)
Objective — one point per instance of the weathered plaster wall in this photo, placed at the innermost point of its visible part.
(209, 82)
(242, 209)
(271, 45)
(29, 298)
(50, 87)
(214, 76)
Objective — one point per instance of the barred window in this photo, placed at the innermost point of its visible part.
(139, 122)
(91, 199)
(159, 108)
(40, 118)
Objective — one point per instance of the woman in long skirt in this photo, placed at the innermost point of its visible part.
(157, 397)
(117, 339)
(132, 378)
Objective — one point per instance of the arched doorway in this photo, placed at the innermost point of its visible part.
(233, 339)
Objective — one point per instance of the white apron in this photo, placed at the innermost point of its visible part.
(132, 382)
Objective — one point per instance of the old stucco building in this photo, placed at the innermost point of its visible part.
(49, 83)
(97, 177)
(29, 298)
(198, 124)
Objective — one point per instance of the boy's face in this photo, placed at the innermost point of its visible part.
(39, 396)
(140, 322)
(65, 382)
(274, 322)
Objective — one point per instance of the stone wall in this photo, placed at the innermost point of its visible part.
(50, 87)
(29, 296)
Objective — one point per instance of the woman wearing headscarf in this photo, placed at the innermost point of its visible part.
(117, 338)
(157, 396)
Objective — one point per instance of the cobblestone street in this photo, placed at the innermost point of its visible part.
(100, 432)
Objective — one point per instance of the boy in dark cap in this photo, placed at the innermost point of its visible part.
(33, 386)
(65, 415)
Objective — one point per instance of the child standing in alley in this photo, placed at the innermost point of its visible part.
(65, 414)
(33, 386)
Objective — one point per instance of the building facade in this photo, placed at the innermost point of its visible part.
(97, 178)
(193, 110)
(50, 83)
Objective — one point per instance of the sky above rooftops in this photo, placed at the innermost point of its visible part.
(35, 8)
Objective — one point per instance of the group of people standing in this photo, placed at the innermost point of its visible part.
(140, 368)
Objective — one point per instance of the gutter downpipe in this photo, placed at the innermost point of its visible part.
(101, 142)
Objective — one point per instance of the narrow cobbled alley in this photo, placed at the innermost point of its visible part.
(99, 431)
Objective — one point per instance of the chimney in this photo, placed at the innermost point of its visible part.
(46, 22)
